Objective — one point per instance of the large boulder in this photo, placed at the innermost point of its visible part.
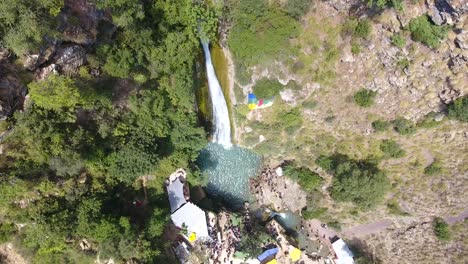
(70, 58)
(462, 40)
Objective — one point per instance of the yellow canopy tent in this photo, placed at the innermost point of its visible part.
(295, 254)
(192, 237)
(273, 261)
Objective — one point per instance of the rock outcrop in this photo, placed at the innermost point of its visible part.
(70, 58)
(12, 92)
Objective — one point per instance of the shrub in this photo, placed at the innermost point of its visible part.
(290, 120)
(314, 213)
(324, 162)
(441, 229)
(266, 88)
(357, 181)
(363, 29)
(397, 4)
(392, 149)
(380, 125)
(458, 109)
(433, 169)
(308, 179)
(335, 225)
(403, 126)
(428, 121)
(6, 231)
(355, 48)
(422, 30)
(398, 40)
(260, 32)
(394, 208)
(403, 63)
(297, 8)
(364, 97)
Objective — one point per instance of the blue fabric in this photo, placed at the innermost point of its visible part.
(267, 253)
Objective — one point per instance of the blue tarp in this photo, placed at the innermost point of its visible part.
(267, 253)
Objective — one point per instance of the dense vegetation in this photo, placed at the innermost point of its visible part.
(364, 97)
(308, 179)
(266, 88)
(391, 149)
(77, 157)
(261, 32)
(441, 229)
(433, 169)
(424, 31)
(357, 181)
(458, 109)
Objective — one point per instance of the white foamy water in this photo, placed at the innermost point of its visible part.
(222, 126)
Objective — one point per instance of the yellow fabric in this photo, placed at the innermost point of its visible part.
(295, 254)
(192, 237)
(273, 261)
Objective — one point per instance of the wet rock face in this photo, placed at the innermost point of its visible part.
(70, 58)
(12, 93)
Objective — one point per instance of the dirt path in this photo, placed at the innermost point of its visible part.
(455, 219)
(367, 229)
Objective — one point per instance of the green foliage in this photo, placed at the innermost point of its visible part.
(357, 181)
(428, 121)
(364, 97)
(6, 231)
(335, 224)
(394, 208)
(458, 109)
(441, 229)
(397, 4)
(403, 63)
(297, 8)
(55, 92)
(289, 119)
(357, 29)
(403, 126)
(324, 162)
(250, 241)
(24, 23)
(266, 88)
(380, 125)
(306, 178)
(424, 31)
(433, 169)
(260, 32)
(355, 48)
(314, 213)
(363, 29)
(107, 130)
(398, 40)
(392, 149)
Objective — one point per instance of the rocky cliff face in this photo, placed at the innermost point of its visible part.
(12, 91)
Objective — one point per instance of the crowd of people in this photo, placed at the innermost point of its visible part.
(223, 246)
(267, 177)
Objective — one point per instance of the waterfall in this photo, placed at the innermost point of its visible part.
(222, 126)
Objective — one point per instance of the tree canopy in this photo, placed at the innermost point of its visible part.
(77, 154)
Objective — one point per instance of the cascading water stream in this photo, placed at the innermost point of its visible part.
(222, 126)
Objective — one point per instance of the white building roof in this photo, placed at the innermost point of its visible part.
(343, 253)
(194, 219)
(175, 191)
